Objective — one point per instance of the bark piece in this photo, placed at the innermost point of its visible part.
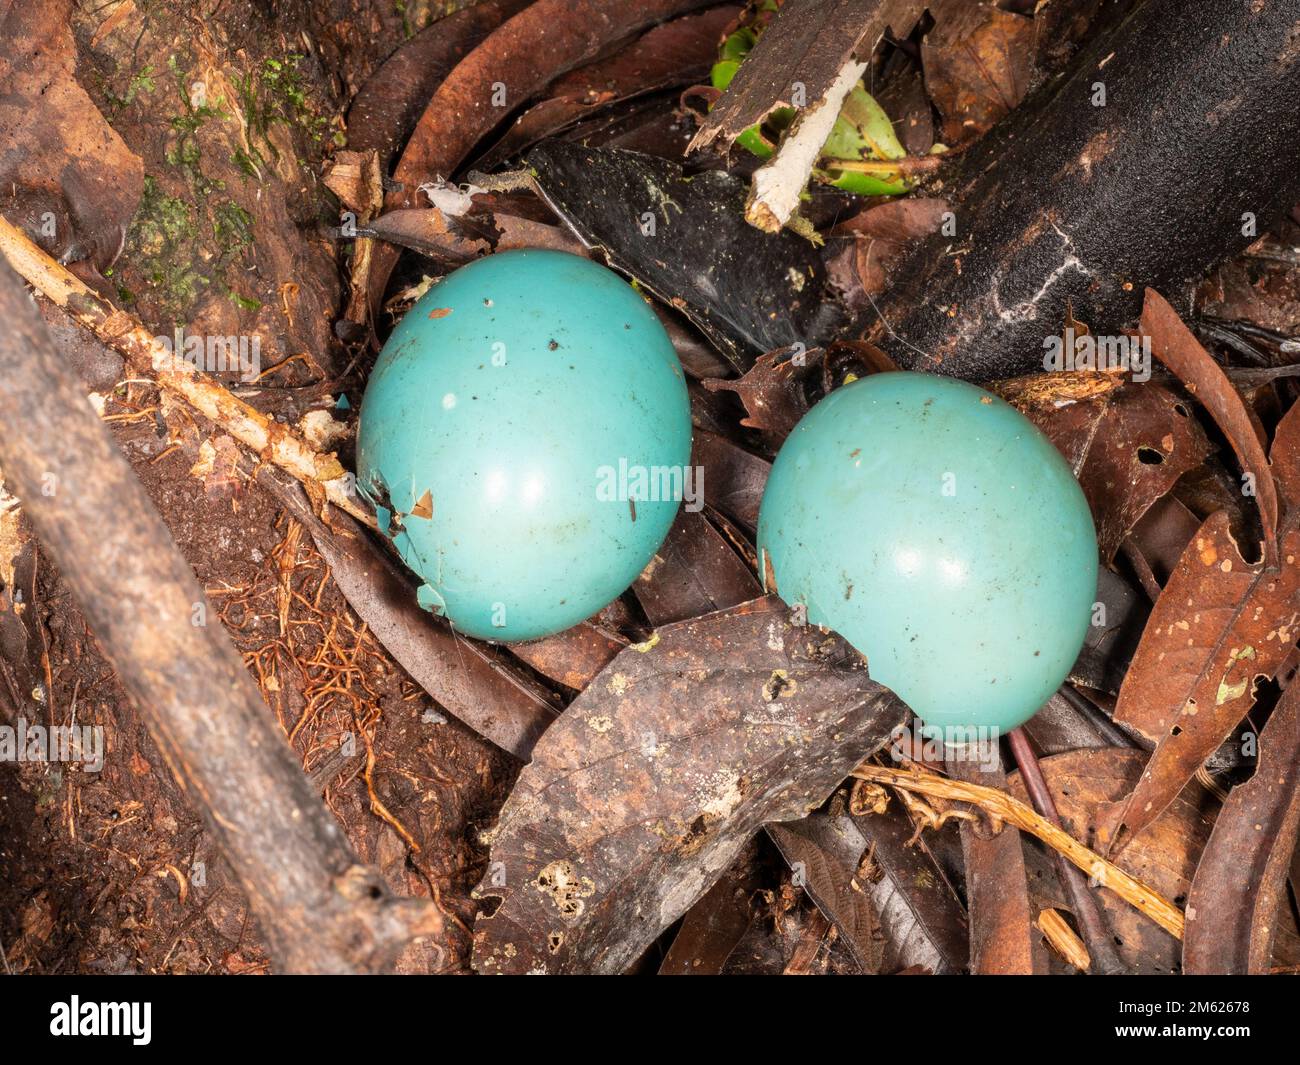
(1064, 201)
(807, 44)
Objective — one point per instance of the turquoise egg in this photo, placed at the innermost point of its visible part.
(525, 437)
(939, 532)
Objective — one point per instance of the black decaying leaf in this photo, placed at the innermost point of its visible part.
(686, 240)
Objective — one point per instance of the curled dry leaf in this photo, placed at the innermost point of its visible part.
(1232, 912)
(675, 53)
(1175, 346)
(1220, 626)
(1127, 443)
(388, 105)
(464, 676)
(61, 160)
(977, 59)
(428, 231)
(643, 793)
(523, 55)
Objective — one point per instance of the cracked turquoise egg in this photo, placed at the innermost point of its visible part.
(525, 438)
(938, 531)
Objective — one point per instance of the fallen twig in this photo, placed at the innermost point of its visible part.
(1004, 808)
(320, 909)
(148, 357)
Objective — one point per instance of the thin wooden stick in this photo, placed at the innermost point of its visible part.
(1012, 811)
(148, 357)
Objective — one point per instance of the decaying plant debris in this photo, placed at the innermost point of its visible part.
(690, 781)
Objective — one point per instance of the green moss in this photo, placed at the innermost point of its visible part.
(141, 82)
(161, 244)
(276, 94)
(232, 226)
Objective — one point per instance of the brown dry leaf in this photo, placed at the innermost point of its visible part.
(1127, 443)
(884, 233)
(772, 390)
(355, 178)
(825, 864)
(675, 53)
(643, 793)
(1220, 626)
(1284, 459)
(65, 175)
(977, 60)
(694, 572)
(1162, 535)
(997, 891)
(514, 62)
(1175, 346)
(388, 105)
(714, 926)
(218, 466)
(1083, 783)
(428, 231)
(1240, 883)
(734, 477)
(572, 657)
(36, 920)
